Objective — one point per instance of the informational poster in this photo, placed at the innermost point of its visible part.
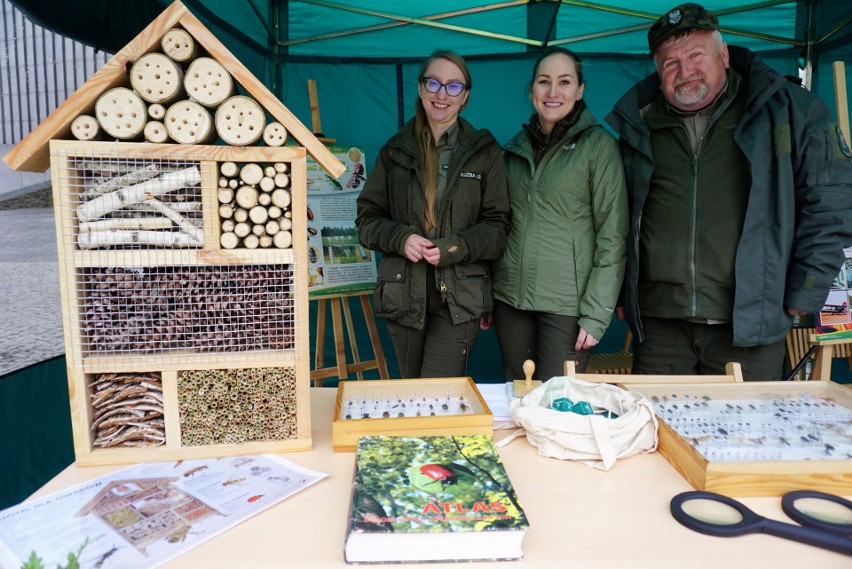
(337, 263)
(834, 320)
(142, 516)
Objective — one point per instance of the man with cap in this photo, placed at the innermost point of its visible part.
(741, 203)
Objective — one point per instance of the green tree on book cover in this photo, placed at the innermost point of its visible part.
(433, 484)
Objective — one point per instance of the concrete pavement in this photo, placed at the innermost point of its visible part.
(30, 308)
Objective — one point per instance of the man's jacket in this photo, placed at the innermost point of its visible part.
(799, 211)
(473, 216)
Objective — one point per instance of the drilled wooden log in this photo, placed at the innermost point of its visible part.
(187, 122)
(157, 111)
(208, 82)
(103, 187)
(178, 45)
(155, 132)
(124, 197)
(157, 78)
(275, 134)
(240, 121)
(86, 127)
(121, 113)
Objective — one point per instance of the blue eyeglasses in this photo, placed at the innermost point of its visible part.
(453, 88)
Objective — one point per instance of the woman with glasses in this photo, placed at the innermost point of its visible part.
(556, 285)
(435, 206)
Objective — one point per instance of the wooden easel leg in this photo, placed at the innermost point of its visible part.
(376, 342)
(319, 356)
(350, 329)
(339, 341)
(822, 363)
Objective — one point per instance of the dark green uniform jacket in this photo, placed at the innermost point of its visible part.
(566, 251)
(799, 212)
(474, 215)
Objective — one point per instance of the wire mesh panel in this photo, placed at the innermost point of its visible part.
(183, 279)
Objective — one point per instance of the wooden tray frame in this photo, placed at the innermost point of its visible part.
(71, 260)
(346, 432)
(755, 478)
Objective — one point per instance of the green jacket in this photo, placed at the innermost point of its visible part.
(474, 215)
(566, 251)
(799, 212)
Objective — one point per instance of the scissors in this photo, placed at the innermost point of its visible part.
(826, 519)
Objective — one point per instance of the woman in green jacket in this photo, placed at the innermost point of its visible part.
(435, 206)
(558, 280)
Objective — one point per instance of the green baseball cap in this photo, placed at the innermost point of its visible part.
(685, 17)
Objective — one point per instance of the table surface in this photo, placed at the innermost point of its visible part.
(579, 516)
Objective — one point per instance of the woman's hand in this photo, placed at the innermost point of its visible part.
(432, 254)
(585, 341)
(414, 247)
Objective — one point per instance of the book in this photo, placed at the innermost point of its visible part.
(834, 320)
(444, 498)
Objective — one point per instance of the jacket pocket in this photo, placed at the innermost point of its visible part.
(473, 287)
(391, 293)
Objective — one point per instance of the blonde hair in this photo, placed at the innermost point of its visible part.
(428, 150)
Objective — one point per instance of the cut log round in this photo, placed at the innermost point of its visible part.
(265, 241)
(264, 199)
(251, 174)
(86, 127)
(240, 121)
(282, 180)
(272, 227)
(281, 167)
(274, 212)
(157, 78)
(188, 122)
(281, 198)
(285, 223)
(228, 169)
(157, 111)
(259, 230)
(251, 242)
(208, 82)
(242, 229)
(229, 240)
(283, 239)
(267, 184)
(178, 45)
(121, 113)
(225, 195)
(275, 134)
(240, 214)
(258, 214)
(155, 132)
(246, 197)
(228, 225)
(226, 211)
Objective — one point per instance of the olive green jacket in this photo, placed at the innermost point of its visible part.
(567, 248)
(474, 216)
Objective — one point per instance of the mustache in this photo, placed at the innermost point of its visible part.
(680, 82)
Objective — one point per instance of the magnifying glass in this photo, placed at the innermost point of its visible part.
(826, 519)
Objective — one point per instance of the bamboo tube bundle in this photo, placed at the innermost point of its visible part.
(178, 44)
(187, 122)
(121, 113)
(208, 82)
(157, 78)
(240, 121)
(86, 127)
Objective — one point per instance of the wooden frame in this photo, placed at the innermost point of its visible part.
(346, 432)
(733, 373)
(757, 478)
(73, 263)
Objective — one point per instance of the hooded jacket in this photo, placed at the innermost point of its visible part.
(566, 251)
(799, 211)
(473, 215)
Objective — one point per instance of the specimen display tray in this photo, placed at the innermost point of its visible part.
(408, 407)
(763, 438)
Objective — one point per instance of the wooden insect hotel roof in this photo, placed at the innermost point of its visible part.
(32, 154)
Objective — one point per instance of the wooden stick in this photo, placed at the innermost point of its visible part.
(140, 223)
(112, 184)
(95, 239)
(196, 233)
(124, 197)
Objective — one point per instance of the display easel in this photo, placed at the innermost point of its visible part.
(340, 304)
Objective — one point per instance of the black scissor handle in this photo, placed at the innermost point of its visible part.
(788, 504)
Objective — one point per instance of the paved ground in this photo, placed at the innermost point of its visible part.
(30, 309)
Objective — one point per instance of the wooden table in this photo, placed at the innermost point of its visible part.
(579, 516)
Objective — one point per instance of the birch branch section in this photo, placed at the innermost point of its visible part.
(95, 239)
(183, 223)
(123, 197)
(136, 223)
(134, 177)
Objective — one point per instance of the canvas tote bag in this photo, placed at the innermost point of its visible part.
(592, 439)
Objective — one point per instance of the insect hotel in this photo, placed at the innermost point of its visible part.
(181, 232)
